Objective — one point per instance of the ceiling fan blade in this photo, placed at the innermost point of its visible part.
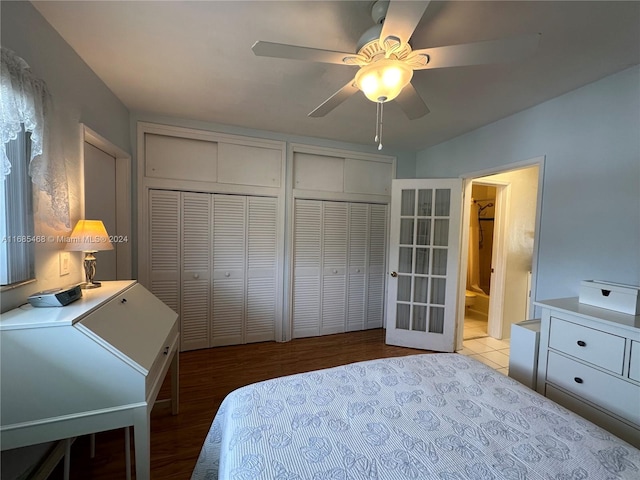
(493, 51)
(334, 100)
(294, 52)
(402, 19)
(411, 103)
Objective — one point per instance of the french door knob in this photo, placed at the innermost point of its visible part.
(394, 274)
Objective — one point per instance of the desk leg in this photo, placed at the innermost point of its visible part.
(127, 451)
(67, 458)
(142, 443)
(175, 383)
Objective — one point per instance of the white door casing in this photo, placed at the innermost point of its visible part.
(423, 263)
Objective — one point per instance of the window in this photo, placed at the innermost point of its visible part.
(17, 250)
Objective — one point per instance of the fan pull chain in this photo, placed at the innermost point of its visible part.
(379, 126)
(377, 122)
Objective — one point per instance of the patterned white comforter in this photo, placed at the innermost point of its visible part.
(432, 416)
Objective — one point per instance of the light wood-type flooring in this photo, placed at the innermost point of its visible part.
(206, 377)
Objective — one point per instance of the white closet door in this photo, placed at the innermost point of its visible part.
(376, 267)
(307, 244)
(358, 244)
(164, 247)
(229, 249)
(262, 290)
(196, 267)
(334, 267)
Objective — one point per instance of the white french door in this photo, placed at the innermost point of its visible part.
(423, 263)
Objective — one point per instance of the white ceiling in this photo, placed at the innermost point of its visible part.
(193, 60)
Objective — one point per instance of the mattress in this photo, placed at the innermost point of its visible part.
(431, 416)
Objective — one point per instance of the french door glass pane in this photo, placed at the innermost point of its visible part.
(406, 231)
(438, 290)
(419, 318)
(405, 259)
(420, 289)
(407, 208)
(424, 232)
(439, 266)
(424, 202)
(436, 320)
(441, 232)
(404, 288)
(402, 316)
(443, 202)
(422, 260)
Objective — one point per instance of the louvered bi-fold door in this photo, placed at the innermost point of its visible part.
(307, 252)
(357, 275)
(164, 247)
(262, 285)
(196, 267)
(334, 267)
(229, 247)
(376, 258)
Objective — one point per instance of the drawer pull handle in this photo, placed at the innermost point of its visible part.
(124, 300)
(605, 293)
(582, 343)
(578, 380)
(227, 274)
(166, 350)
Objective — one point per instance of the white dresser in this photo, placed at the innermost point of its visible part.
(590, 362)
(94, 365)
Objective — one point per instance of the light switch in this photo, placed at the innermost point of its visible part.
(65, 261)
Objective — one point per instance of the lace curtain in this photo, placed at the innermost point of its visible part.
(25, 100)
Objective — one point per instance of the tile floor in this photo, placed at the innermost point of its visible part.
(483, 348)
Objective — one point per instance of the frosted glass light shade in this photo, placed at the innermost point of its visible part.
(89, 236)
(382, 81)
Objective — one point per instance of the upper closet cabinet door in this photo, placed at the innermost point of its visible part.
(229, 251)
(376, 267)
(196, 267)
(262, 258)
(307, 249)
(164, 247)
(334, 267)
(358, 243)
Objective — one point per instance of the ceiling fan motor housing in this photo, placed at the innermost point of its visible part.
(379, 11)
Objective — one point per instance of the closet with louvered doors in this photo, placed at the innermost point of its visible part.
(338, 272)
(214, 257)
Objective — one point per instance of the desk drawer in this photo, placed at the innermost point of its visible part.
(634, 361)
(160, 365)
(593, 346)
(612, 393)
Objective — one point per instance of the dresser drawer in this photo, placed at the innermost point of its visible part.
(160, 365)
(593, 346)
(634, 365)
(613, 394)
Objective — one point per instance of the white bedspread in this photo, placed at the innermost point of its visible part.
(432, 416)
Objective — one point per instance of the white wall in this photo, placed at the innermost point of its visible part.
(79, 96)
(590, 218)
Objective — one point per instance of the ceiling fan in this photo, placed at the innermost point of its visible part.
(387, 60)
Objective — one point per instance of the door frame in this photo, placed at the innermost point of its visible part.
(499, 251)
(123, 198)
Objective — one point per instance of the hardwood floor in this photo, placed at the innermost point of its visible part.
(206, 377)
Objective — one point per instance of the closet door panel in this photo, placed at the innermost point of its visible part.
(164, 246)
(358, 243)
(334, 263)
(262, 258)
(229, 250)
(376, 266)
(196, 267)
(307, 252)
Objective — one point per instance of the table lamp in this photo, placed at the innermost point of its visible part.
(89, 236)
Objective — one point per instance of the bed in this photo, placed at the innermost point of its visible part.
(431, 416)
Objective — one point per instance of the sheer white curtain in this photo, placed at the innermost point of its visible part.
(25, 101)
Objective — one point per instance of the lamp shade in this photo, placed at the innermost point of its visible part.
(89, 236)
(383, 80)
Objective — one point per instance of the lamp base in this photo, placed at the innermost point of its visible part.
(87, 285)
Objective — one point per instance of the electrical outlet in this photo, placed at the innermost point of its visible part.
(65, 263)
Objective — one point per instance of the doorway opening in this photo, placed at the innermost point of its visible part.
(500, 215)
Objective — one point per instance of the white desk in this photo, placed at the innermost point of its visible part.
(94, 365)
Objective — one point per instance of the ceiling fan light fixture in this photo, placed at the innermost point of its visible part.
(383, 80)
